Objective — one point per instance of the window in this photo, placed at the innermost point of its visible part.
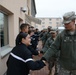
(3, 29)
(43, 26)
(57, 19)
(43, 22)
(50, 22)
(50, 19)
(57, 23)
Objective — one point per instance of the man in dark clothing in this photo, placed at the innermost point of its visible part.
(23, 29)
(35, 39)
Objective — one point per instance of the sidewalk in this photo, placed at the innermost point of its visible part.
(43, 71)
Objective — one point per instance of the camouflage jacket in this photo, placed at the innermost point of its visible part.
(45, 37)
(66, 43)
(47, 44)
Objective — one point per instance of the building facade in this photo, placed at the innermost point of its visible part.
(11, 16)
(53, 22)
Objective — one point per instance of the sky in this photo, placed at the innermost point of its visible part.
(54, 8)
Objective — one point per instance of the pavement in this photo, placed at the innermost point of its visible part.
(44, 70)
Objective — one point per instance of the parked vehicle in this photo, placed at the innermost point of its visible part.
(60, 29)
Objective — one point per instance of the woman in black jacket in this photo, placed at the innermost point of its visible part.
(20, 61)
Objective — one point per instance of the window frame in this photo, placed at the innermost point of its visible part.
(7, 29)
(4, 50)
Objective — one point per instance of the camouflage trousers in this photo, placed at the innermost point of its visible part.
(62, 71)
(52, 63)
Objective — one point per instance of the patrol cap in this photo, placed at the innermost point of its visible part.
(68, 17)
(53, 31)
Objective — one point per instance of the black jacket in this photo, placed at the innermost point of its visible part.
(34, 41)
(20, 61)
(30, 47)
(33, 51)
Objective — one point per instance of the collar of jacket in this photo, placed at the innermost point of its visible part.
(66, 32)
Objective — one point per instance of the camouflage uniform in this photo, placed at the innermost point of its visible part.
(47, 44)
(45, 37)
(41, 35)
(62, 71)
(66, 43)
(52, 61)
(45, 48)
(67, 46)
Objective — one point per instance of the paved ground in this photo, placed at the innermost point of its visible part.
(43, 71)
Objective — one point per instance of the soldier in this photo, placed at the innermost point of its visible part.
(46, 35)
(41, 33)
(66, 43)
(49, 41)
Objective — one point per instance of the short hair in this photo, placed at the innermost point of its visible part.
(30, 31)
(20, 36)
(23, 25)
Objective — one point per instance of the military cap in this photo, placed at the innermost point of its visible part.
(68, 17)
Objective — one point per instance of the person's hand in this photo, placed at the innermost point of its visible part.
(43, 60)
(40, 54)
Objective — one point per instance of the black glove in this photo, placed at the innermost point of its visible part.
(41, 52)
(43, 59)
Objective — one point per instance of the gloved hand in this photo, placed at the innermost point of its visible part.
(41, 52)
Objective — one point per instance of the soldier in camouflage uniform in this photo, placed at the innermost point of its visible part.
(66, 43)
(42, 33)
(46, 35)
(49, 41)
(52, 61)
